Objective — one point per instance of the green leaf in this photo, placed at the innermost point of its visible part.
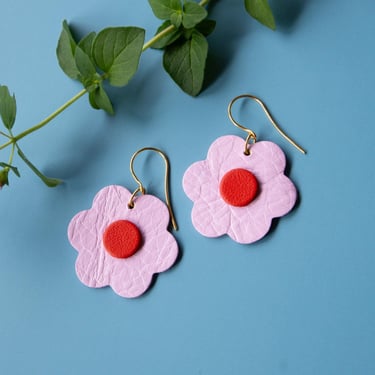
(11, 167)
(193, 13)
(85, 67)
(206, 27)
(261, 11)
(164, 9)
(117, 51)
(176, 19)
(185, 62)
(65, 50)
(100, 100)
(86, 43)
(8, 107)
(167, 39)
(50, 182)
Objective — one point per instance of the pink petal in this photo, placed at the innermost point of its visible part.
(197, 179)
(159, 254)
(267, 160)
(211, 218)
(281, 195)
(251, 223)
(247, 226)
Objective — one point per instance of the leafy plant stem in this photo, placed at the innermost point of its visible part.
(166, 31)
(51, 116)
(45, 121)
(13, 139)
(158, 36)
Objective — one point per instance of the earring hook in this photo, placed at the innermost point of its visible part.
(142, 190)
(250, 134)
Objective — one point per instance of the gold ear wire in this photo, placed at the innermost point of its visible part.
(250, 134)
(142, 190)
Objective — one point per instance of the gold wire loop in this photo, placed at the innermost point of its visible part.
(142, 190)
(137, 190)
(251, 135)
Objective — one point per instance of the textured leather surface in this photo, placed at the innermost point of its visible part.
(132, 276)
(212, 217)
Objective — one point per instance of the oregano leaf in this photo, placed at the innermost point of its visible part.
(8, 107)
(117, 51)
(86, 44)
(167, 39)
(164, 9)
(100, 100)
(261, 11)
(50, 182)
(185, 62)
(92, 99)
(176, 19)
(85, 67)
(206, 27)
(65, 52)
(193, 13)
(66, 28)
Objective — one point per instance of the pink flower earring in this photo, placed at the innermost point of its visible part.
(238, 190)
(122, 240)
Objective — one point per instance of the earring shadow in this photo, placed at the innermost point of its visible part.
(275, 221)
(156, 275)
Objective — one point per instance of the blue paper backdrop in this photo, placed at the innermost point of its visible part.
(301, 301)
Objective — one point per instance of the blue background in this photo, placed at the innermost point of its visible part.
(300, 301)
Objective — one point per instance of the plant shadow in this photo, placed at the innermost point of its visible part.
(142, 92)
(287, 13)
(91, 146)
(224, 41)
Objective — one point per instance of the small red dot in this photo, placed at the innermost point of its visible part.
(122, 239)
(238, 187)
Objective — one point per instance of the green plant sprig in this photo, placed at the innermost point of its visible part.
(113, 56)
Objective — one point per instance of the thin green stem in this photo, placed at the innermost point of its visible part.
(204, 3)
(50, 117)
(5, 135)
(12, 154)
(158, 36)
(166, 31)
(45, 121)
(6, 144)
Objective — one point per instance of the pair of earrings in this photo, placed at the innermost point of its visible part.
(122, 240)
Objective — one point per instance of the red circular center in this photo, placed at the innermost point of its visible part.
(238, 187)
(122, 239)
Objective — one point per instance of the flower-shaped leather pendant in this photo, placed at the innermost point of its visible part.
(122, 246)
(238, 194)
